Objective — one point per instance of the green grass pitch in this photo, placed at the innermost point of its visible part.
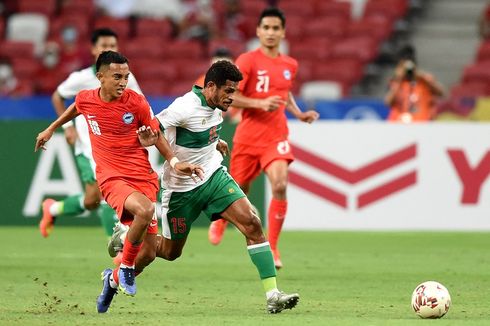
(344, 278)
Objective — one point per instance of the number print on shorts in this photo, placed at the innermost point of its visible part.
(94, 126)
(178, 225)
(283, 147)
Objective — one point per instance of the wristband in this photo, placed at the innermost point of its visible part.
(174, 161)
(68, 124)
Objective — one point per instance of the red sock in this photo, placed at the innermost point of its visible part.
(129, 252)
(277, 213)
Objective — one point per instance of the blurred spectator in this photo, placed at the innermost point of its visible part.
(8, 81)
(232, 23)
(71, 56)
(198, 20)
(484, 22)
(412, 92)
(123, 8)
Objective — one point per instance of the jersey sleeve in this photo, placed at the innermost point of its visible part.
(244, 64)
(78, 105)
(147, 118)
(173, 116)
(70, 86)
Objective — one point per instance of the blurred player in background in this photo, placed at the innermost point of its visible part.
(102, 39)
(126, 179)
(412, 92)
(261, 139)
(192, 124)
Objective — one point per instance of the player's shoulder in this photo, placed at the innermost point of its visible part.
(86, 94)
(289, 60)
(249, 56)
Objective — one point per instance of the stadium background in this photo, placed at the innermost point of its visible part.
(347, 46)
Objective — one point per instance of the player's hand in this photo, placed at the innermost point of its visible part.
(71, 135)
(192, 170)
(272, 103)
(147, 136)
(223, 148)
(308, 116)
(42, 138)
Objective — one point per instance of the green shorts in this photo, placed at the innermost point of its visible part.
(181, 209)
(85, 169)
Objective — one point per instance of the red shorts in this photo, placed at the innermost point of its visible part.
(247, 161)
(117, 190)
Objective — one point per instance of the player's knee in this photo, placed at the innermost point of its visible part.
(145, 212)
(172, 254)
(279, 187)
(252, 226)
(91, 203)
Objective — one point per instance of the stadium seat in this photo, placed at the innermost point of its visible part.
(235, 47)
(154, 86)
(78, 8)
(483, 53)
(184, 49)
(16, 49)
(25, 68)
(363, 48)
(144, 47)
(120, 26)
(312, 48)
(29, 28)
(347, 72)
(159, 9)
(79, 22)
(153, 27)
(332, 27)
(190, 68)
(151, 69)
(180, 87)
(296, 8)
(45, 7)
(2, 28)
(321, 90)
(393, 9)
(477, 72)
(378, 26)
(341, 9)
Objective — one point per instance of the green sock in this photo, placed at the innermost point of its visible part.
(261, 256)
(107, 218)
(72, 205)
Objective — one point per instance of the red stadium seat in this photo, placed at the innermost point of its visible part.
(153, 27)
(236, 47)
(45, 7)
(150, 47)
(154, 86)
(394, 9)
(25, 68)
(347, 72)
(334, 8)
(120, 26)
(312, 48)
(378, 26)
(189, 68)
(15, 49)
(79, 22)
(253, 8)
(470, 89)
(477, 72)
(332, 27)
(296, 8)
(2, 28)
(180, 87)
(184, 49)
(483, 53)
(363, 48)
(78, 8)
(150, 69)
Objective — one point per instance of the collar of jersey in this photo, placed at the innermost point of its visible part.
(198, 91)
(93, 69)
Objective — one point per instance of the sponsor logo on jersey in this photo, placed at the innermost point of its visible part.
(204, 121)
(287, 74)
(128, 118)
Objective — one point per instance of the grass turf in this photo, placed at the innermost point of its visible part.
(344, 278)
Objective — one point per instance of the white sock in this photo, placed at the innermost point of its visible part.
(55, 208)
(112, 283)
(270, 293)
(125, 266)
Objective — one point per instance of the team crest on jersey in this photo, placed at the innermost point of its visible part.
(128, 118)
(287, 74)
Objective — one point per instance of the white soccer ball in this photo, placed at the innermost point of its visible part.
(431, 300)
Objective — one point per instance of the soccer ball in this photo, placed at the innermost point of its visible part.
(431, 300)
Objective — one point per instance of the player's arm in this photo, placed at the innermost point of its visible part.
(292, 106)
(270, 103)
(59, 106)
(46, 134)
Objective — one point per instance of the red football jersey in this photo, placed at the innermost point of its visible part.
(263, 77)
(112, 127)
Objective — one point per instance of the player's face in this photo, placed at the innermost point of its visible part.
(104, 43)
(113, 80)
(222, 97)
(270, 32)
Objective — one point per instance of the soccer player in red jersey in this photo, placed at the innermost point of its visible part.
(115, 115)
(261, 138)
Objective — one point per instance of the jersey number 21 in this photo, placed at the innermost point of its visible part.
(262, 84)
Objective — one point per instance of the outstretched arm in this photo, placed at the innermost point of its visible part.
(47, 133)
(292, 106)
(270, 103)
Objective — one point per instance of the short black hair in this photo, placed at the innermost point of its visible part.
(407, 52)
(101, 32)
(221, 71)
(108, 57)
(272, 12)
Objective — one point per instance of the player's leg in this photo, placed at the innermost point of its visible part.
(72, 205)
(275, 161)
(242, 215)
(277, 174)
(244, 167)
